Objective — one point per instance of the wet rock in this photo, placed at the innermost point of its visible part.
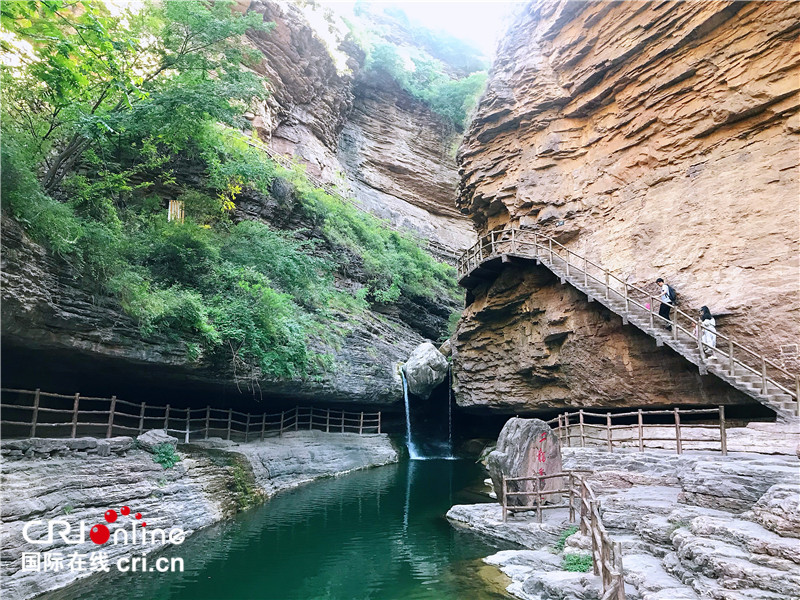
(425, 369)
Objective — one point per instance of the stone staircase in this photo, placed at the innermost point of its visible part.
(742, 368)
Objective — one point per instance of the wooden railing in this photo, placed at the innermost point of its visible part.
(106, 417)
(434, 247)
(636, 302)
(571, 425)
(606, 554)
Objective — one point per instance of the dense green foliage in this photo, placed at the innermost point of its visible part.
(92, 151)
(453, 99)
(165, 455)
(426, 70)
(578, 563)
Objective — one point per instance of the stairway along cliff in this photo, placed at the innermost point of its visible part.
(654, 140)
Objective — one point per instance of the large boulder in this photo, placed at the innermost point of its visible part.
(425, 369)
(155, 437)
(525, 448)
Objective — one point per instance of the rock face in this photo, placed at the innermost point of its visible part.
(654, 139)
(72, 482)
(525, 448)
(425, 369)
(356, 129)
(59, 336)
(344, 126)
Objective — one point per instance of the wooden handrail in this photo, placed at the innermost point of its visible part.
(167, 416)
(606, 554)
(546, 247)
(564, 429)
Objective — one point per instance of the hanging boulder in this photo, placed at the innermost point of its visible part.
(425, 369)
(525, 448)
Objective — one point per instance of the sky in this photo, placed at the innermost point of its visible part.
(478, 22)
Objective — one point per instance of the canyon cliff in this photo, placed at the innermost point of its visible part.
(656, 139)
(355, 130)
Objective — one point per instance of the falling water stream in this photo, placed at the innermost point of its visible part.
(413, 454)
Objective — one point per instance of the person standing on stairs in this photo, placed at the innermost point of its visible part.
(667, 300)
(709, 334)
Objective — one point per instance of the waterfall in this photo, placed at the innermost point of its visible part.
(413, 454)
(450, 407)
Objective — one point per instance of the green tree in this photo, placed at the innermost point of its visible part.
(92, 75)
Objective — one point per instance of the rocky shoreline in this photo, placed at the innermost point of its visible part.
(697, 525)
(80, 479)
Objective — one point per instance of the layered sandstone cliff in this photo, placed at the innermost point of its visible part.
(354, 128)
(346, 127)
(657, 139)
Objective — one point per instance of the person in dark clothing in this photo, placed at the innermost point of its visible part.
(667, 300)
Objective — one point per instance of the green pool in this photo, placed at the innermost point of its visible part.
(377, 534)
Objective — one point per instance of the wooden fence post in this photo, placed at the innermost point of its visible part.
(247, 429)
(674, 322)
(592, 530)
(538, 499)
(188, 425)
(560, 430)
(310, 418)
(608, 432)
(141, 419)
(296, 418)
(567, 430)
(608, 287)
(208, 419)
(35, 412)
(641, 432)
(263, 425)
(342, 421)
(620, 578)
(361, 424)
(280, 431)
(571, 494)
(652, 309)
(678, 445)
(723, 436)
(585, 273)
(327, 420)
(166, 419)
(763, 375)
(583, 438)
(230, 418)
(111, 416)
(75, 415)
(505, 498)
(379, 421)
(731, 362)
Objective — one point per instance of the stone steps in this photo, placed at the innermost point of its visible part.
(744, 380)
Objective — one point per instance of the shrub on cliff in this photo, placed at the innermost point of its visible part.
(244, 294)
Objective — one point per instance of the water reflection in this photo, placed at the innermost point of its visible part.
(379, 533)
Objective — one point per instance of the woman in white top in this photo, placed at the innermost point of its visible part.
(709, 336)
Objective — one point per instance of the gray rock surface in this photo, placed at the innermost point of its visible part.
(779, 510)
(203, 488)
(486, 519)
(525, 448)
(149, 440)
(425, 368)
